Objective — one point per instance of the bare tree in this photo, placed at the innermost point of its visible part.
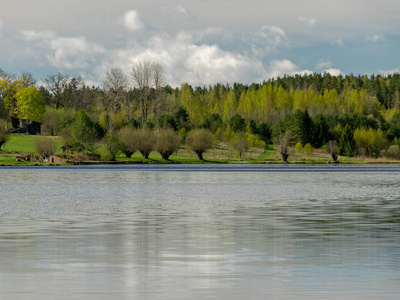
(159, 83)
(147, 75)
(27, 79)
(56, 85)
(115, 83)
(332, 148)
(283, 144)
(142, 77)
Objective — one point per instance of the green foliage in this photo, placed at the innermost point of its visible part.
(200, 140)
(51, 121)
(238, 123)
(321, 131)
(264, 131)
(30, 104)
(168, 121)
(298, 146)
(112, 145)
(369, 142)
(4, 135)
(83, 133)
(392, 152)
(346, 142)
(308, 149)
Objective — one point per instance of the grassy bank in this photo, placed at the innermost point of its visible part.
(21, 145)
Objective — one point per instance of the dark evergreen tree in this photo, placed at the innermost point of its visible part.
(346, 142)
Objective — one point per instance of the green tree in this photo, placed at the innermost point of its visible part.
(30, 104)
(83, 133)
(112, 144)
(346, 142)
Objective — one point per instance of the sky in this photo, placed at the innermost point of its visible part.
(200, 42)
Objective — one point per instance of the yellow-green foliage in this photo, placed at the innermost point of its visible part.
(308, 149)
(30, 104)
(254, 141)
(370, 141)
(299, 146)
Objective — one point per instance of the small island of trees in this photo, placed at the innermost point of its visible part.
(340, 116)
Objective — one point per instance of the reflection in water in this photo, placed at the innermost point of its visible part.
(87, 233)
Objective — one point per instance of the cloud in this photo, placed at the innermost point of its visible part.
(133, 21)
(73, 52)
(62, 52)
(387, 72)
(182, 12)
(284, 67)
(374, 38)
(333, 72)
(323, 64)
(309, 22)
(31, 35)
(185, 61)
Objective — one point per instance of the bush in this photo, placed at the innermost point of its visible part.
(112, 145)
(200, 140)
(45, 147)
(168, 141)
(141, 140)
(299, 146)
(308, 149)
(393, 152)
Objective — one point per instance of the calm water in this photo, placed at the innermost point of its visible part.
(200, 232)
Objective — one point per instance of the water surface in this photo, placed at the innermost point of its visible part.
(200, 232)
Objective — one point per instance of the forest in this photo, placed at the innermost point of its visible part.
(346, 115)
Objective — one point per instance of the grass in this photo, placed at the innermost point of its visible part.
(20, 145)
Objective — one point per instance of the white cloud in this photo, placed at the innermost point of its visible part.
(333, 72)
(284, 67)
(387, 72)
(309, 21)
(73, 52)
(133, 21)
(374, 38)
(185, 61)
(62, 52)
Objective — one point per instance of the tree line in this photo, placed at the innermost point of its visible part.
(355, 115)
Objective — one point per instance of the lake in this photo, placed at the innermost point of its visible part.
(200, 232)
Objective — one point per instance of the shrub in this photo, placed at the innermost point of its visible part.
(45, 147)
(308, 149)
(112, 144)
(167, 142)
(393, 151)
(200, 140)
(299, 146)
